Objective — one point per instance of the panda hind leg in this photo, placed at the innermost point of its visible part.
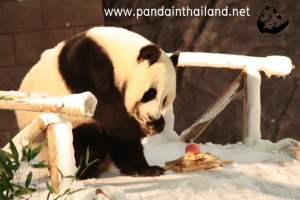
(90, 137)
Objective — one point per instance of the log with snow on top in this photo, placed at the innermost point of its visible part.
(76, 105)
(271, 65)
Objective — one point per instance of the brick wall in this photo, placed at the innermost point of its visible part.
(27, 28)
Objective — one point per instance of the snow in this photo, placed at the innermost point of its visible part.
(255, 174)
(83, 104)
(273, 65)
(263, 171)
(253, 104)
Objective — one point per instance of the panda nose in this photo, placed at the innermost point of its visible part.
(153, 119)
(158, 125)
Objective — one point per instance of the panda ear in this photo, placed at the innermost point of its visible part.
(174, 57)
(150, 52)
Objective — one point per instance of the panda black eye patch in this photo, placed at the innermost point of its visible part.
(149, 95)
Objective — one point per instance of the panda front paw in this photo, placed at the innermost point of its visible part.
(149, 171)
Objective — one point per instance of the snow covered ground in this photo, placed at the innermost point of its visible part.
(259, 172)
(263, 171)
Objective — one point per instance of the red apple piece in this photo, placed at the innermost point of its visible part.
(192, 148)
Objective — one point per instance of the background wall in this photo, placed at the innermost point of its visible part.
(30, 26)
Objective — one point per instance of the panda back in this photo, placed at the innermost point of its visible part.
(43, 77)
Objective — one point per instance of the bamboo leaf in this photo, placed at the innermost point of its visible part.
(77, 171)
(87, 156)
(78, 190)
(9, 97)
(39, 165)
(60, 173)
(24, 154)
(5, 182)
(50, 188)
(24, 191)
(92, 162)
(6, 167)
(69, 176)
(28, 179)
(65, 192)
(14, 151)
(37, 150)
(5, 154)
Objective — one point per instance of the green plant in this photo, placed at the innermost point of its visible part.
(80, 171)
(67, 192)
(76, 176)
(10, 176)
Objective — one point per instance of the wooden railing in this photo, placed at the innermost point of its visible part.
(248, 82)
(53, 124)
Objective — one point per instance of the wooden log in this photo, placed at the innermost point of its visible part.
(198, 167)
(198, 127)
(271, 65)
(52, 158)
(245, 110)
(76, 105)
(30, 132)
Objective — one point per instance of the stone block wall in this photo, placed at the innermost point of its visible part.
(27, 28)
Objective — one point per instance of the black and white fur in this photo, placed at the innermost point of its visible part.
(133, 81)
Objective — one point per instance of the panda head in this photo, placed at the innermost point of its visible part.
(144, 74)
(151, 88)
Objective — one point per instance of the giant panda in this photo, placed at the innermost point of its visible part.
(133, 80)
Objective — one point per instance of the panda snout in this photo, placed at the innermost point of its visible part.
(152, 119)
(156, 125)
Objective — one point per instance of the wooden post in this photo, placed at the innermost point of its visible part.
(52, 158)
(198, 127)
(245, 110)
(60, 151)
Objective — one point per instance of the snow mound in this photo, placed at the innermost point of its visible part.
(263, 171)
(257, 173)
